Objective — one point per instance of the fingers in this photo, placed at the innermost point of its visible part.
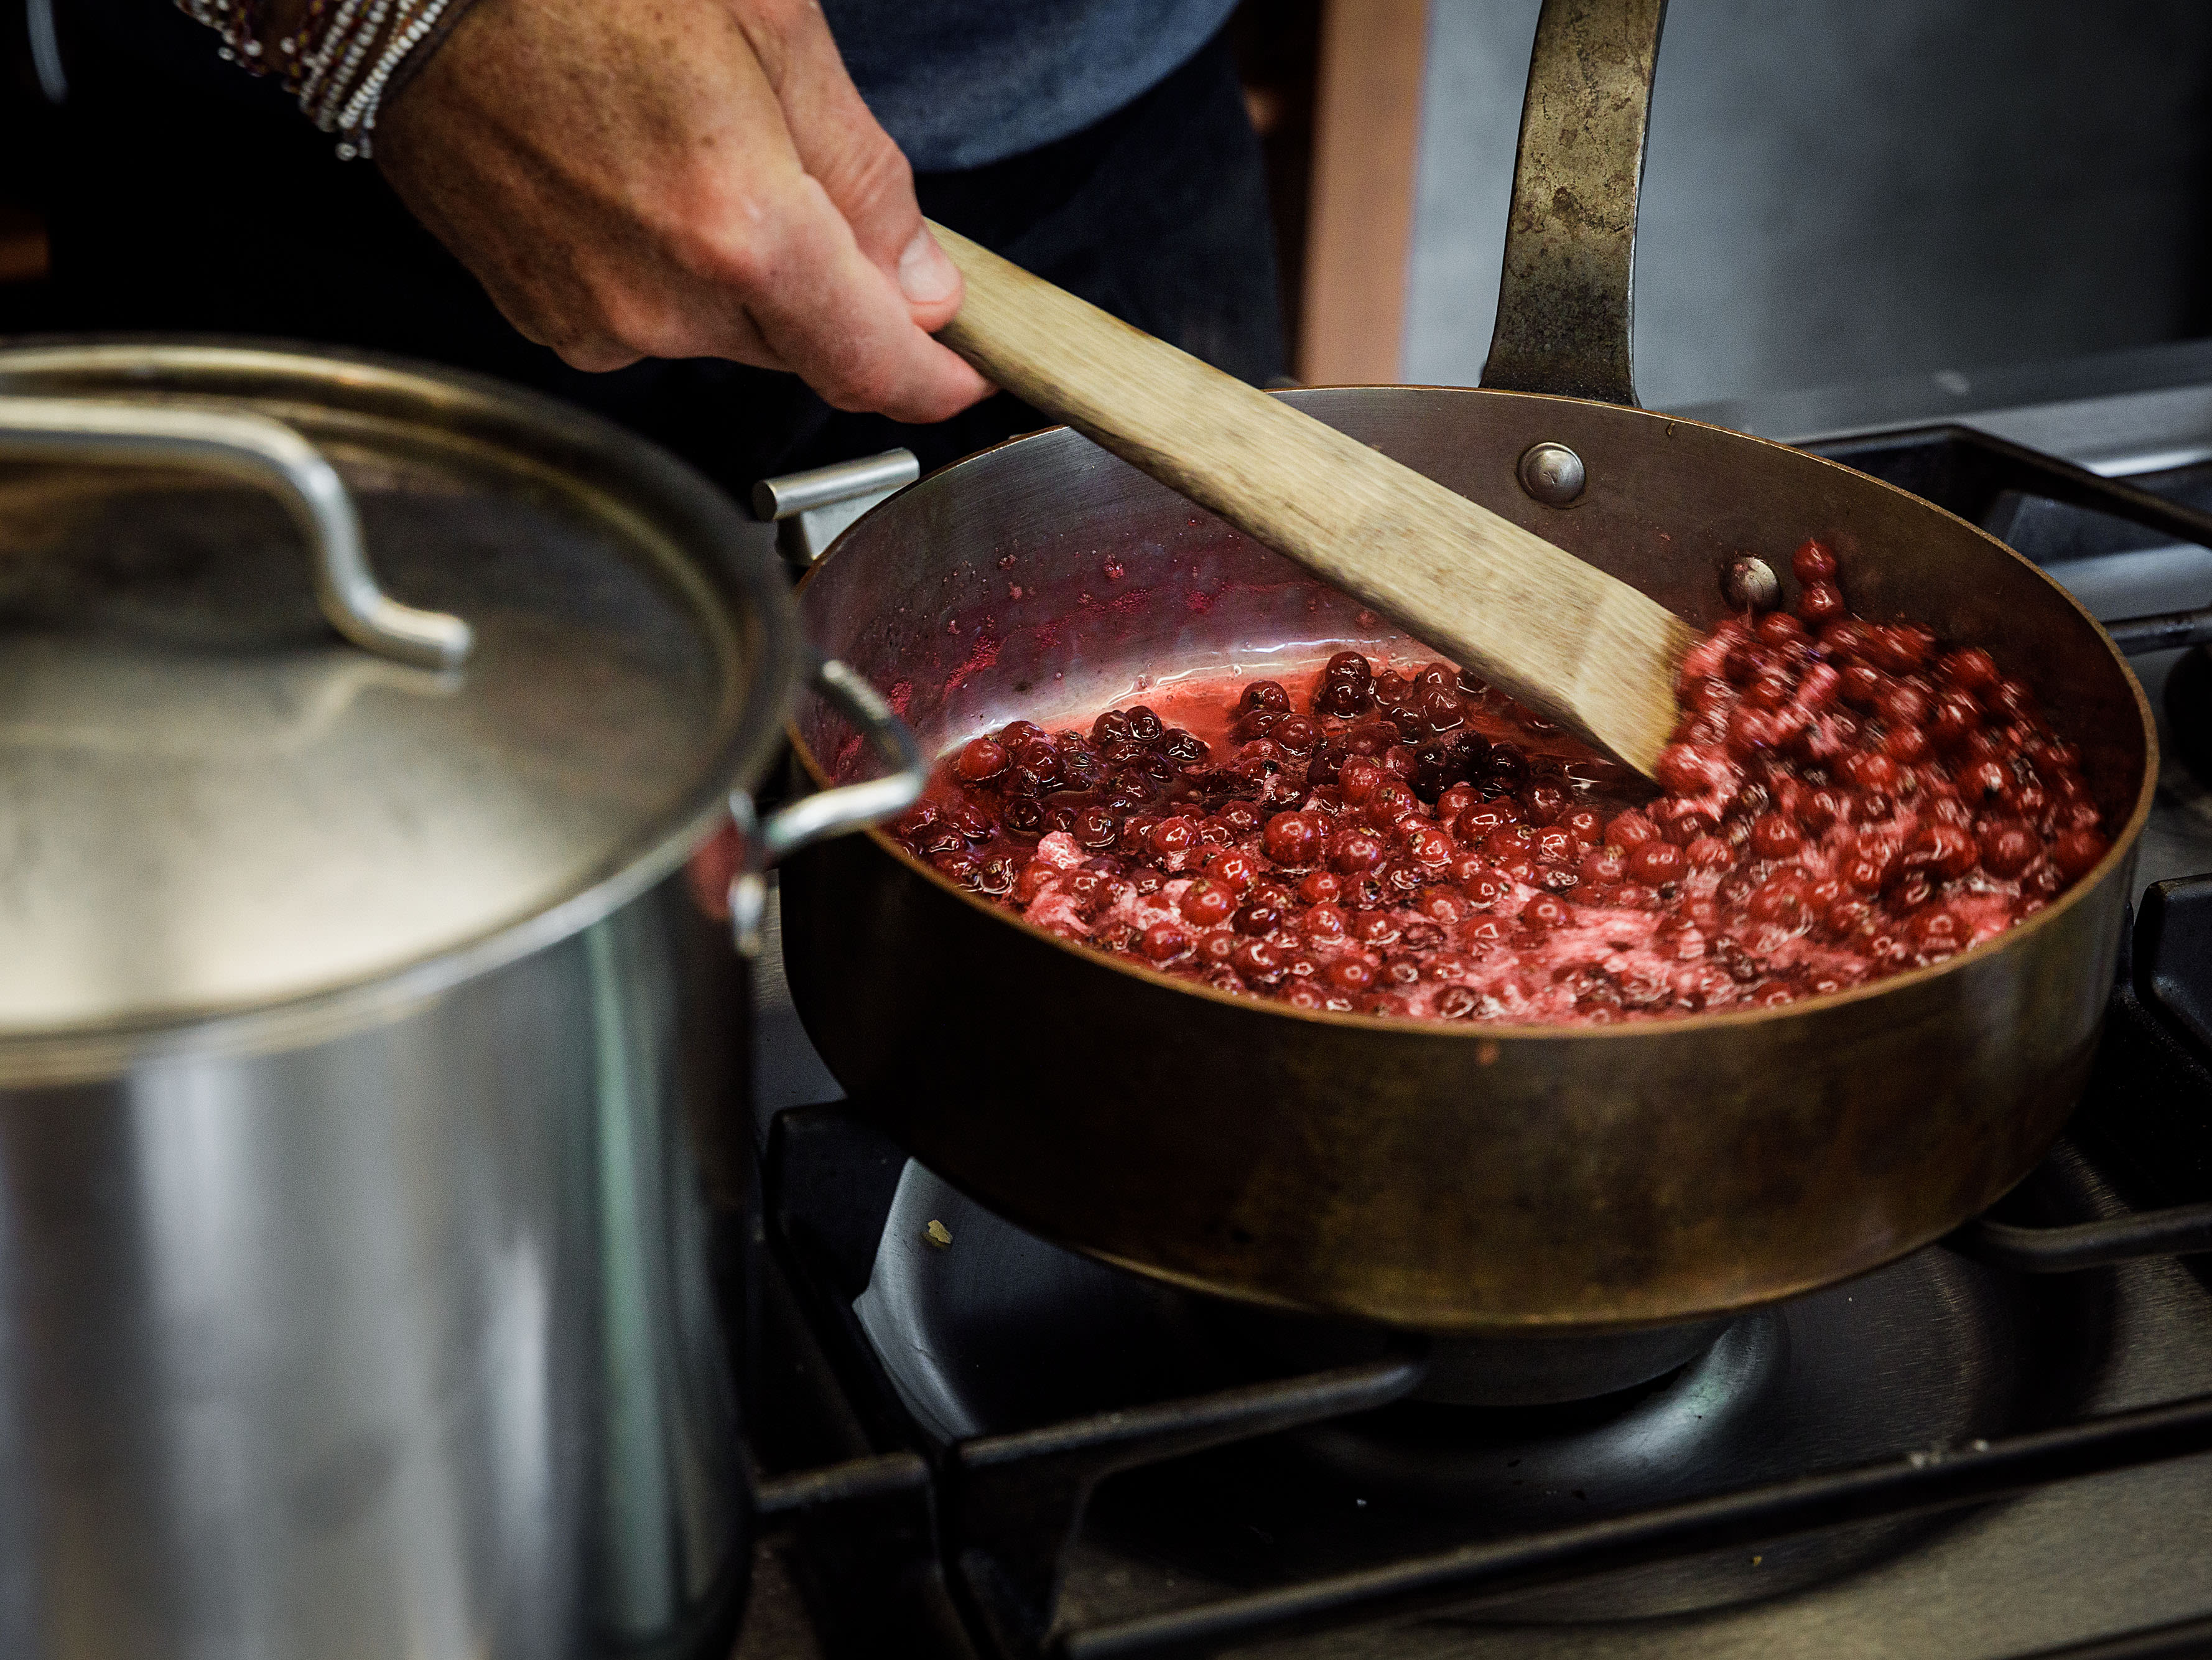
(929, 281)
(837, 320)
(779, 276)
(840, 143)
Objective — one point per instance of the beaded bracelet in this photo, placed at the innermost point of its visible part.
(358, 118)
(239, 23)
(345, 58)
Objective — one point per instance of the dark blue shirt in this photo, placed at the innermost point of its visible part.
(960, 82)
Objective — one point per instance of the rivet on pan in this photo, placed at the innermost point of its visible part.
(1552, 474)
(1748, 584)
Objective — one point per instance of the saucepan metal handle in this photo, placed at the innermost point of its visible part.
(1566, 293)
(259, 451)
(828, 812)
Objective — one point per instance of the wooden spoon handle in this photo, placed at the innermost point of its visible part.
(1577, 646)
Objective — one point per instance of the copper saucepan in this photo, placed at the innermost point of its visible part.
(1469, 1178)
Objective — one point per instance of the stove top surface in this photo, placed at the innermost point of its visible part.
(997, 1332)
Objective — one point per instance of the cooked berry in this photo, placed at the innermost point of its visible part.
(1843, 800)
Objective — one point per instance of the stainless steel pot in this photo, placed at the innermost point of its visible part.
(355, 1019)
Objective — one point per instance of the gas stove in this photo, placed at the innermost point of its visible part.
(967, 1442)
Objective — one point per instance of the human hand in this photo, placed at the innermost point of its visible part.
(681, 179)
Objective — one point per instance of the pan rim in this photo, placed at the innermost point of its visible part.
(2121, 850)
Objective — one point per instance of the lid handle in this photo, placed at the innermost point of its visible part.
(1566, 296)
(260, 451)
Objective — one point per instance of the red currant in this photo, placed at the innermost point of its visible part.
(1324, 922)
(1657, 862)
(2077, 852)
(1774, 836)
(1813, 562)
(1630, 830)
(1431, 847)
(1820, 603)
(980, 759)
(1945, 849)
(1207, 903)
(1781, 901)
(1293, 839)
(2008, 848)
(1969, 669)
(1350, 974)
(1354, 851)
(1708, 853)
(1936, 931)
(1164, 942)
(1545, 911)
(1173, 838)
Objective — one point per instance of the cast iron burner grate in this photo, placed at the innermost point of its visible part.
(897, 1543)
(1936, 1350)
(1075, 1432)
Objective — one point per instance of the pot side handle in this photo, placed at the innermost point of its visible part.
(260, 451)
(1567, 294)
(827, 812)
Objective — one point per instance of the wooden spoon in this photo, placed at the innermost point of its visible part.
(1578, 647)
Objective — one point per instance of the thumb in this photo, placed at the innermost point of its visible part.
(843, 147)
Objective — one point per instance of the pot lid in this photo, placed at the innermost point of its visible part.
(212, 802)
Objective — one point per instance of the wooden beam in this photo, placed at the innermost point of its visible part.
(1367, 129)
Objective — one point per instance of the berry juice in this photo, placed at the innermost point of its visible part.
(1842, 800)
